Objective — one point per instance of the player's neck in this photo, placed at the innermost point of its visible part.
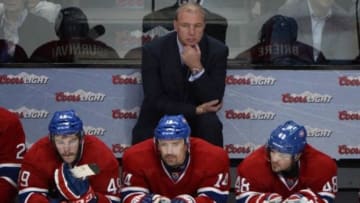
(176, 171)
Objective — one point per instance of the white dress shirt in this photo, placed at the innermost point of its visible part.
(317, 27)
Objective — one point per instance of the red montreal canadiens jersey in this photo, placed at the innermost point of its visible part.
(207, 173)
(12, 150)
(318, 172)
(37, 172)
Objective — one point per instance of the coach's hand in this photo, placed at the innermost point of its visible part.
(210, 106)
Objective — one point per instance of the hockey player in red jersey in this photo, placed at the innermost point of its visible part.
(12, 150)
(287, 170)
(47, 173)
(172, 167)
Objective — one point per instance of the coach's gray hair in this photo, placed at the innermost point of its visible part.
(190, 7)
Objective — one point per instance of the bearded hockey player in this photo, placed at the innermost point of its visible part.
(47, 173)
(286, 170)
(172, 167)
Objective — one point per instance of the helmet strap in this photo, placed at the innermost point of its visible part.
(81, 147)
(296, 157)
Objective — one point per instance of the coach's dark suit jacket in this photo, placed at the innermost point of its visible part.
(339, 40)
(165, 81)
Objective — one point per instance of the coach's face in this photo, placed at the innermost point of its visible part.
(189, 26)
(67, 146)
(172, 152)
